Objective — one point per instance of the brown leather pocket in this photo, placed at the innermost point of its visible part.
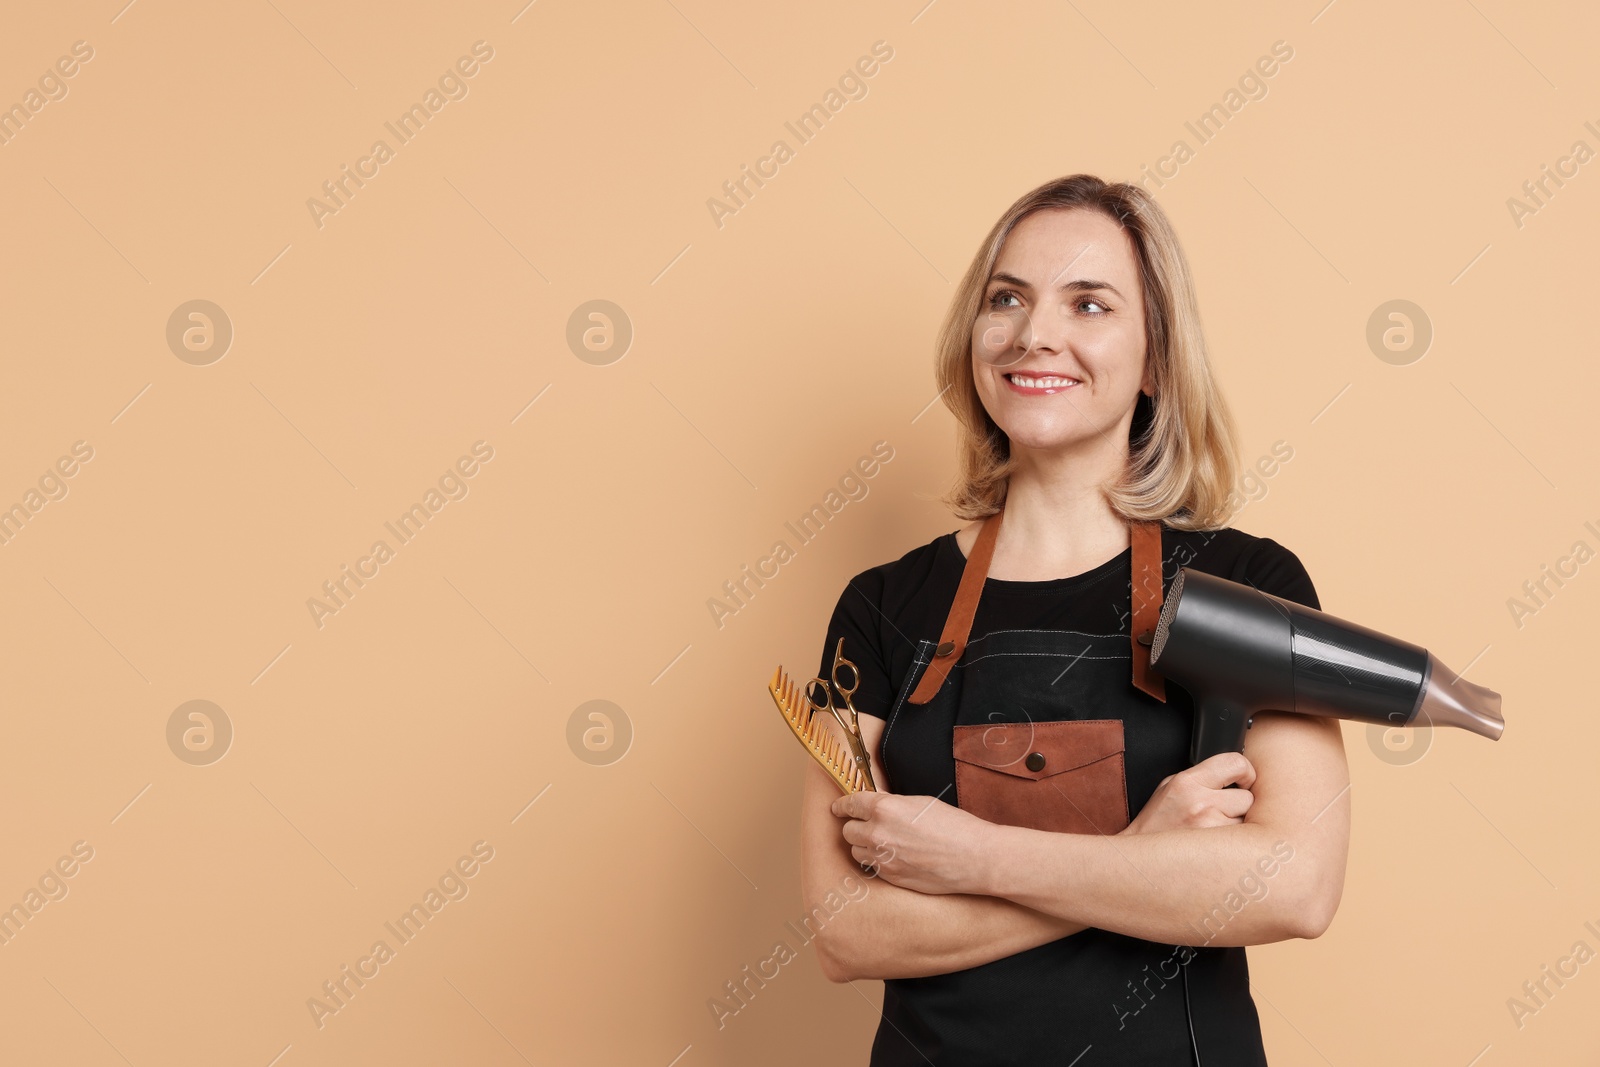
(1067, 776)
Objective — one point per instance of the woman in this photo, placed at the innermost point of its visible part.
(1089, 421)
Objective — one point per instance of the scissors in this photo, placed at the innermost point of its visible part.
(852, 727)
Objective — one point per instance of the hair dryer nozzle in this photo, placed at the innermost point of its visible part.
(1450, 700)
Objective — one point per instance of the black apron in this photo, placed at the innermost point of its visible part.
(1119, 999)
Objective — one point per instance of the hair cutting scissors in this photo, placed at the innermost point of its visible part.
(852, 724)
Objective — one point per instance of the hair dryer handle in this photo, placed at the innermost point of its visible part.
(1219, 726)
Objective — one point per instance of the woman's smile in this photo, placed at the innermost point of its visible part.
(1040, 384)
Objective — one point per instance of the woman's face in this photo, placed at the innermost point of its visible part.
(1058, 347)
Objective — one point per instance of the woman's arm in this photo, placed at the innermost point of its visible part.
(892, 932)
(1278, 873)
(1212, 885)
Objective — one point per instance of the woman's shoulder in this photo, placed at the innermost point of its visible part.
(1243, 557)
(915, 565)
(897, 584)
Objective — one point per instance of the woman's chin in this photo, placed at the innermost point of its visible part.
(1053, 435)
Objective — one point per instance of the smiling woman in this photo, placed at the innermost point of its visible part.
(1036, 838)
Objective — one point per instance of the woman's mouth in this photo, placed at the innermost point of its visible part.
(1040, 384)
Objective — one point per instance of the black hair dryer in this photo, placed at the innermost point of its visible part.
(1238, 651)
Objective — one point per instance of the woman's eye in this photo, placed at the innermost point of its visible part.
(1003, 294)
(1093, 303)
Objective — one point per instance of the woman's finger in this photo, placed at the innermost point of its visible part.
(1222, 770)
(1234, 802)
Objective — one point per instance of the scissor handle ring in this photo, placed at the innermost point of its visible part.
(855, 673)
(826, 703)
(855, 679)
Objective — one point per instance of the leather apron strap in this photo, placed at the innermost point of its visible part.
(1145, 538)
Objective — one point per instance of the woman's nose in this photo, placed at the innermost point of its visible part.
(1049, 329)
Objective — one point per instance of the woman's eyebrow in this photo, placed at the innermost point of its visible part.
(1080, 285)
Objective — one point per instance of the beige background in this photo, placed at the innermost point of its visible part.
(768, 354)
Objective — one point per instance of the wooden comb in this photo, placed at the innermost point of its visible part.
(812, 729)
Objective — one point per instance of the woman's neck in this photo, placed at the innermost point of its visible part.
(1058, 523)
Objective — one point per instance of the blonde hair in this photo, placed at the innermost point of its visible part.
(1182, 457)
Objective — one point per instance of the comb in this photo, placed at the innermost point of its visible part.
(812, 730)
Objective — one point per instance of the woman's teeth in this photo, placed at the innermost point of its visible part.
(1040, 383)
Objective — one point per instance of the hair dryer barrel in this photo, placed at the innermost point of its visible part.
(1238, 651)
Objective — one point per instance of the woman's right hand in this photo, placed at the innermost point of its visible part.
(1199, 797)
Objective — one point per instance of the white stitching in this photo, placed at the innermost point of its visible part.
(923, 645)
(1081, 633)
(1048, 655)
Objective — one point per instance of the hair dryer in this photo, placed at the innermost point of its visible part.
(1238, 651)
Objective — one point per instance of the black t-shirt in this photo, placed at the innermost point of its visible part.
(1031, 1004)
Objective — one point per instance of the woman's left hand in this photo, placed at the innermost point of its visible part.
(918, 842)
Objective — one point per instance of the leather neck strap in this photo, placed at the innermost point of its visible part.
(1145, 538)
